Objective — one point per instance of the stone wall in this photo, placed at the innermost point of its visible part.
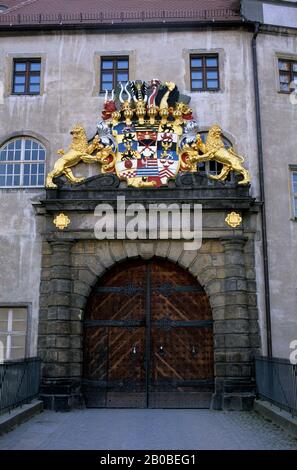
(70, 269)
(73, 261)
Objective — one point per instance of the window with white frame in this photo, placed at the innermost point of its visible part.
(13, 333)
(22, 163)
(294, 192)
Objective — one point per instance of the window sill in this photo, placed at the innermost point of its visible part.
(206, 91)
(285, 92)
(25, 94)
(18, 188)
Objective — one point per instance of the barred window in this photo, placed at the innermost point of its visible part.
(13, 332)
(22, 163)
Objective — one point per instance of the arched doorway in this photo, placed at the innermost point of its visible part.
(148, 339)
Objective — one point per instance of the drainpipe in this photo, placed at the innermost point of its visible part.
(262, 192)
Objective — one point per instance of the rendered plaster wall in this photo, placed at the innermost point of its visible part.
(279, 120)
(20, 256)
(70, 84)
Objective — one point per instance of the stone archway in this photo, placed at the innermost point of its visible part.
(148, 339)
(225, 269)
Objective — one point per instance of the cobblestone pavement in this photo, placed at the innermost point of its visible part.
(147, 429)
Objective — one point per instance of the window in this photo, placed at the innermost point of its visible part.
(26, 76)
(294, 192)
(22, 163)
(204, 72)
(13, 331)
(113, 71)
(287, 74)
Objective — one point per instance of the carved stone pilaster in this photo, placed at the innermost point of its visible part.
(235, 387)
(60, 387)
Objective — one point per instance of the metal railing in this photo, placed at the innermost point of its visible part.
(115, 17)
(277, 382)
(19, 382)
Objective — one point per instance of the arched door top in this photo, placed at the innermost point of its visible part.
(148, 338)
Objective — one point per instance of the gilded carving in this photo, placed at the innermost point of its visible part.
(81, 151)
(147, 135)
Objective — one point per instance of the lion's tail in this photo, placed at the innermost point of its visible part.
(231, 150)
(61, 152)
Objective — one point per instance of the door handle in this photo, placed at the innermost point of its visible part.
(161, 351)
(194, 350)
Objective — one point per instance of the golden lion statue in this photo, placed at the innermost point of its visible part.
(81, 151)
(213, 149)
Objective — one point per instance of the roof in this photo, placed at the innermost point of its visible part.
(116, 12)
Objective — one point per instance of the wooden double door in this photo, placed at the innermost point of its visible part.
(148, 339)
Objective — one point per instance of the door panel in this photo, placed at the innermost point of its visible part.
(182, 340)
(148, 339)
(113, 328)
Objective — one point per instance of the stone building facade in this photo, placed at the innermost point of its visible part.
(52, 272)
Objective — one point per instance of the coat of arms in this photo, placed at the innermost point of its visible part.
(147, 143)
(147, 135)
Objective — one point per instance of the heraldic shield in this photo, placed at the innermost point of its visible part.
(145, 155)
(147, 136)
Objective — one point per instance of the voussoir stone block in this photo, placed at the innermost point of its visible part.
(81, 288)
(217, 300)
(130, 248)
(87, 276)
(207, 275)
(104, 255)
(175, 250)
(214, 287)
(187, 258)
(162, 248)
(117, 250)
(146, 249)
(78, 301)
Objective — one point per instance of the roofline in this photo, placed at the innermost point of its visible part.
(121, 26)
(117, 19)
